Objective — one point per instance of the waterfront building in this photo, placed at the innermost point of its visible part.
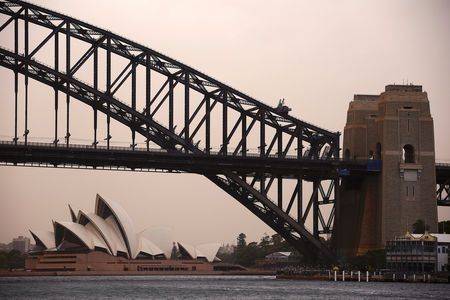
(412, 254)
(443, 248)
(279, 261)
(278, 256)
(106, 241)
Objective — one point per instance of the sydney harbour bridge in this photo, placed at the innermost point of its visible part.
(179, 120)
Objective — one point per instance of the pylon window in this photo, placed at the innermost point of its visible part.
(408, 154)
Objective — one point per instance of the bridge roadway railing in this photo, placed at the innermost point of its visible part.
(159, 160)
(443, 166)
(154, 159)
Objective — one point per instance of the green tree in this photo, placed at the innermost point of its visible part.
(277, 242)
(227, 256)
(419, 227)
(12, 260)
(241, 242)
(241, 248)
(265, 244)
(248, 254)
(3, 260)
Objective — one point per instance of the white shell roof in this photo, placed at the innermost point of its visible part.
(73, 214)
(162, 236)
(90, 240)
(109, 235)
(189, 249)
(111, 221)
(111, 228)
(97, 238)
(209, 251)
(199, 254)
(125, 224)
(47, 238)
(146, 246)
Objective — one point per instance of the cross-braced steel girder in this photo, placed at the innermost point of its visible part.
(443, 193)
(245, 123)
(443, 184)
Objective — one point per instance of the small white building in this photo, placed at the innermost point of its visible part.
(279, 256)
(443, 248)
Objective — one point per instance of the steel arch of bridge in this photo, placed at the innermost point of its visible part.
(279, 134)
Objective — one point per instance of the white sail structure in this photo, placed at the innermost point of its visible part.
(148, 247)
(67, 234)
(111, 237)
(208, 251)
(44, 239)
(112, 231)
(106, 209)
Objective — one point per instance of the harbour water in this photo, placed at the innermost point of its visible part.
(209, 287)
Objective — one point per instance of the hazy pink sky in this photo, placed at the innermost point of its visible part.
(316, 55)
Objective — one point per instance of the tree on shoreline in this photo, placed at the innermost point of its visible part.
(419, 227)
(247, 254)
(12, 260)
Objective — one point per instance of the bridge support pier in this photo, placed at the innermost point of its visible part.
(395, 127)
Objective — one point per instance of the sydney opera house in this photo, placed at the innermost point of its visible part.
(106, 241)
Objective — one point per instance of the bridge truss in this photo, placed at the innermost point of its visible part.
(443, 184)
(179, 120)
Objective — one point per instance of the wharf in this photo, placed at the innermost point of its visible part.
(373, 278)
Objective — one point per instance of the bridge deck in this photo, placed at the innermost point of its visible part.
(162, 160)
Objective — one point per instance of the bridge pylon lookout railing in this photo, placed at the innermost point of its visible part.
(167, 105)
